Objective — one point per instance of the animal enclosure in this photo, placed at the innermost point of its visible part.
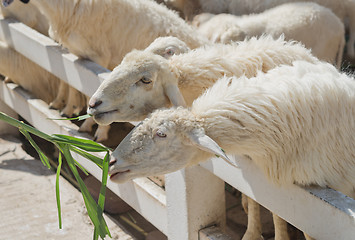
(177, 211)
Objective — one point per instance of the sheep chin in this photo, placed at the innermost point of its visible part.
(120, 177)
(105, 118)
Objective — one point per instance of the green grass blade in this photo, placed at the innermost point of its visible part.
(101, 201)
(96, 235)
(81, 167)
(57, 190)
(85, 144)
(96, 160)
(91, 206)
(79, 118)
(42, 156)
(16, 123)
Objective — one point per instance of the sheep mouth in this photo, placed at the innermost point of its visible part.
(102, 114)
(115, 175)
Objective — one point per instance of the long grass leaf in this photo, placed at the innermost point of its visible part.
(96, 235)
(16, 123)
(91, 206)
(42, 156)
(79, 118)
(57, 190)
(81, 167)
(101, 200)
(96, 160)
(85, 144)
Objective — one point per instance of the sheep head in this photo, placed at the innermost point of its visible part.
(169, 140)
(142, 83)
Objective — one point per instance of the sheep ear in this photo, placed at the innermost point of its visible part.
(205, 143)
(174, 95)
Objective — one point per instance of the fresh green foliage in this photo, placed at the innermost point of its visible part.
(57, 190)
(66, 144)
(79, 118)
(84, 144)
(42, 156)
(93, 158)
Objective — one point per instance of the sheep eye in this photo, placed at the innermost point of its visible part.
(170, 52)
(161, 134)
(145, 80)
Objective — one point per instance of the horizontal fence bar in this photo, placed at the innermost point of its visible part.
(322, 213)
(84, 75)
(142, 194)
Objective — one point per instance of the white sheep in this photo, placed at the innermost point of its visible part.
(317, 27)
(132, 24)
(143, 80)
(344, 9)
(294, 122)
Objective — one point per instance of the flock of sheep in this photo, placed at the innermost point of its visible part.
(265, 85)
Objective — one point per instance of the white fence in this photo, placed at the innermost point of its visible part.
(193, 203)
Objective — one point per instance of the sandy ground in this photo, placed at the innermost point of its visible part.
(28, 205)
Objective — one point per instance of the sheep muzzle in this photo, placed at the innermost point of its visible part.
(6, 3)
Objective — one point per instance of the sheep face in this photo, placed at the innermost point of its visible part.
(152, 148)
(169, 140)
(140, 84)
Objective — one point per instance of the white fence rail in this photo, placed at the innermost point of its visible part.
(194, 197)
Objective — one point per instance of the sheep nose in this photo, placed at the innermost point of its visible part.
(93, 103)
(112, 162)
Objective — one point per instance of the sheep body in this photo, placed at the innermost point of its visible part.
(344, 9)
(125, 98)
(315, 26)
(18, 68)
(73, 25)
(27, 74)
(295, 122)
